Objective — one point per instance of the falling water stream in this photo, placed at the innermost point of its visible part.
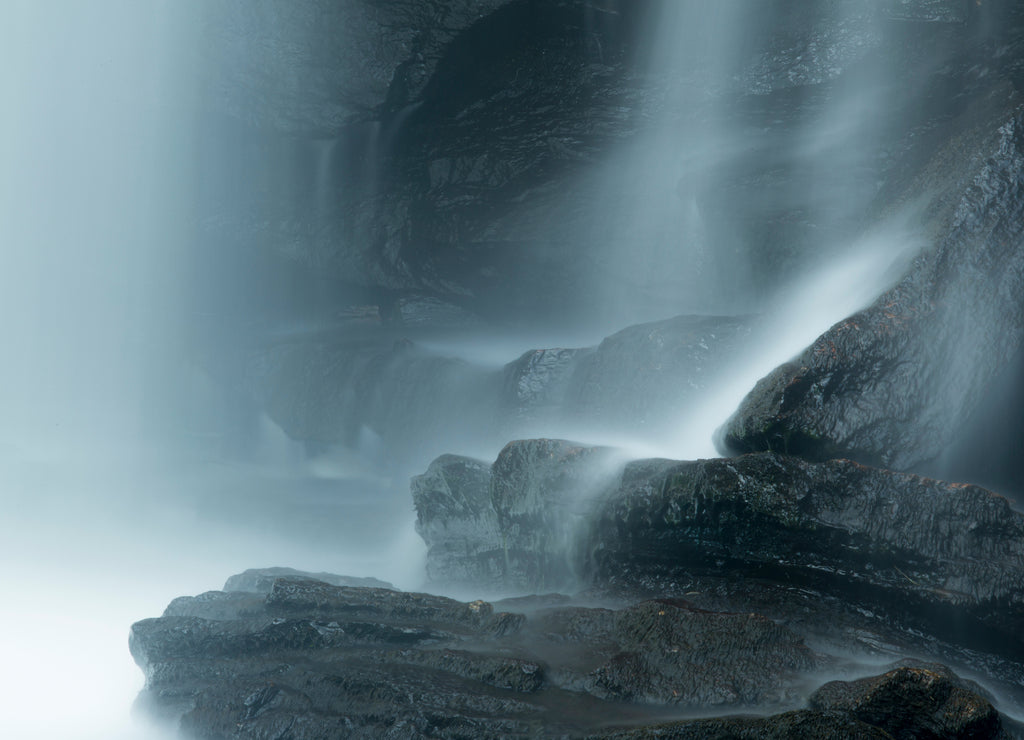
(113, 501)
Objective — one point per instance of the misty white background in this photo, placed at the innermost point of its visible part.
(100, 493)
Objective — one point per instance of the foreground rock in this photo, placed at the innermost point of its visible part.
(514, 525)
(945, 558)
(894, 384)
(312, 660)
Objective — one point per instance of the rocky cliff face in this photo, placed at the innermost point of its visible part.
(464, 150)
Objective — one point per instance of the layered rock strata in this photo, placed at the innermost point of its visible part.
(947, 558)
(307, 659)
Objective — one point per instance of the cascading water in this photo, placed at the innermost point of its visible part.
(131, 476)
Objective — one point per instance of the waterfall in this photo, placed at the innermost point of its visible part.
(156, 257)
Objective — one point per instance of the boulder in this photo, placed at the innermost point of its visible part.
(535, 385)
(893, 384)
(541, 491)
(946, 557)
(457, 520)
(261, 580)
(914, 702)
(512, 525)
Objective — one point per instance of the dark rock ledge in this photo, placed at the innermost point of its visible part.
(308, 659)
(941, 557)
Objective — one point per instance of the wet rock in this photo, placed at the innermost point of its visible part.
(322, 661)
(261, 580)
(898, 543)
(933, 11)
(944, 557)
(542, 490)
(514, 524)
(455, 517)
(671, 653)
(363, 662)
(644, 377)
(786, 726)
(893, 384)
(312, 68)
(914, 703)
(535, 385)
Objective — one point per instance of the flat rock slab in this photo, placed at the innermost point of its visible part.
(312, 660)
(941, 557)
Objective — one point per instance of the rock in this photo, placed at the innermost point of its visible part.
(338, 386)
(933, 11)
(643, 378)
(457, 520)
(946, 558)
(893, 384)
(363, 662)
(541, 491)
(907, 546)
(313, 660)
(670, 653)
(433, 312)
(261, 580)
(801, 724)
(913, 703)
(313, 68)
(512, 525)
(535, 384)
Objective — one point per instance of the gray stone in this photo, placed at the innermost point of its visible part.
(893, 384)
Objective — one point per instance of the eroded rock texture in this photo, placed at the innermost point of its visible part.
(513, 525)
(894, 385)
(948, 558)
(311, 660)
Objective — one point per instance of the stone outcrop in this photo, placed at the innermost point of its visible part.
(261, 580)
(313, 68)
(642, 379)
(947, 558)
(312, 660)
(512, 525)
(914, 701)
(893, 384)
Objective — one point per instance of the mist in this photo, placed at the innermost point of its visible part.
(113, 499)
(133, 470)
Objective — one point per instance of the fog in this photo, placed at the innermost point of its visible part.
(112, 503)
(116, 491)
